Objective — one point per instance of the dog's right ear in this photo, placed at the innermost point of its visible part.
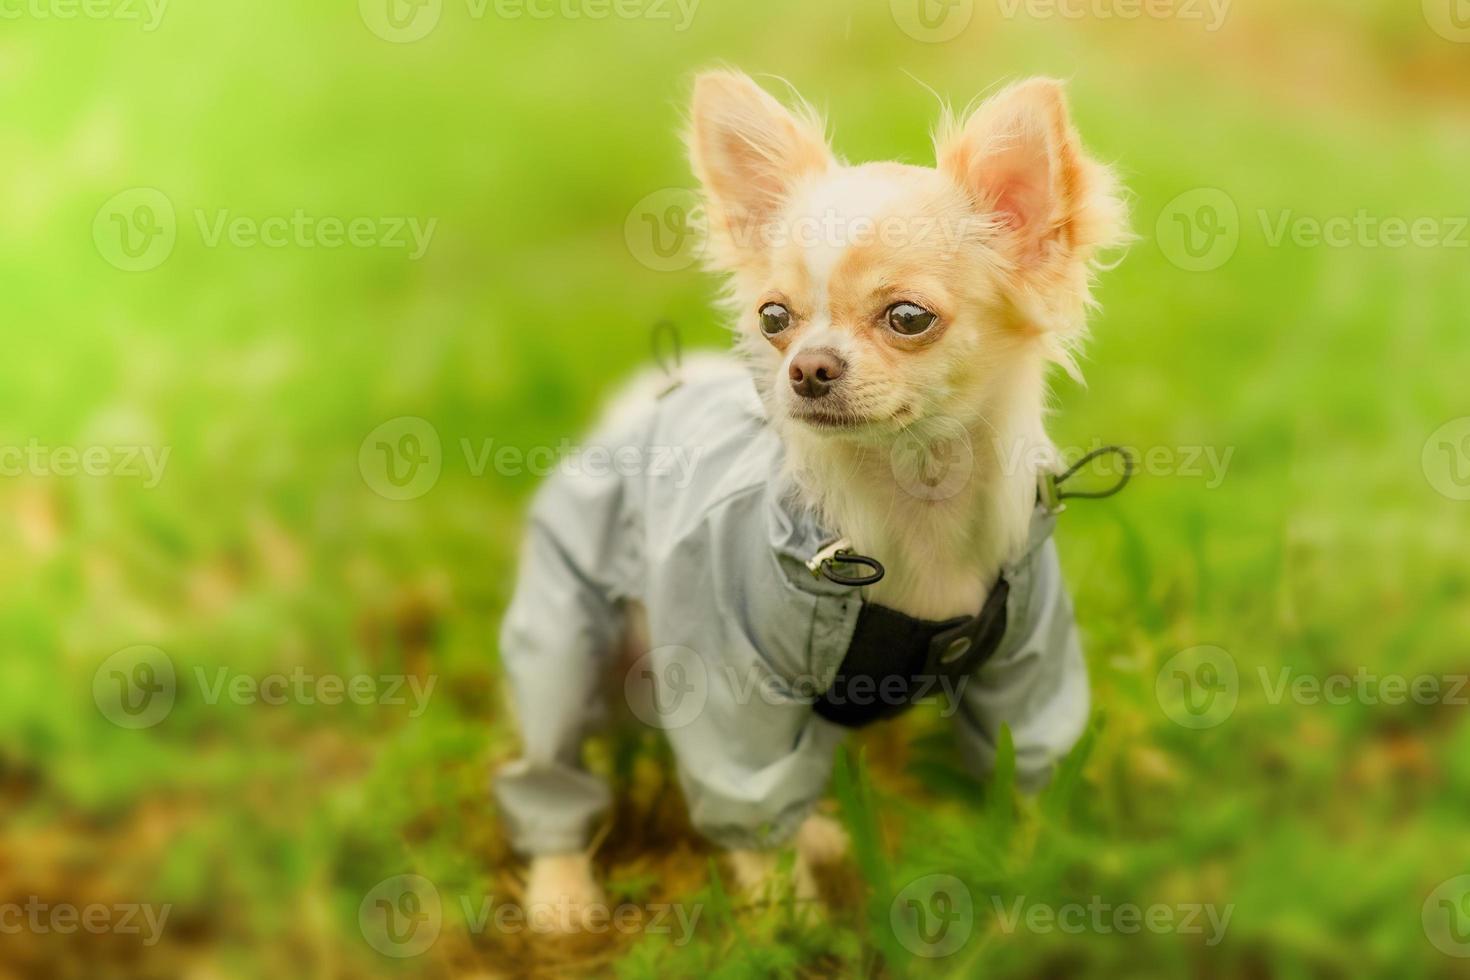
(749, 151)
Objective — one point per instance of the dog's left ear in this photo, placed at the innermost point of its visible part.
(1023, 165)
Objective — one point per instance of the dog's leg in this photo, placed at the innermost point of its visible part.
(756, 879)
(561, 892)
(820, 842)
(558, 640)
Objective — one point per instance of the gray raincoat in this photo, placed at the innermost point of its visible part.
(685, 512)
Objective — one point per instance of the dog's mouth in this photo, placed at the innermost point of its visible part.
(829, 420)
(839, 421)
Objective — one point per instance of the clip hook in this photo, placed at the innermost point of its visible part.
(1050, 484)
(840, 552)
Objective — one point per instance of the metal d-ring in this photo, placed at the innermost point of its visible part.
(848, 558)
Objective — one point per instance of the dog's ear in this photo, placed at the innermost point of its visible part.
(749, 151)
(1022, 164)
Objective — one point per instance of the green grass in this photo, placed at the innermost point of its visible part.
(1324, 547)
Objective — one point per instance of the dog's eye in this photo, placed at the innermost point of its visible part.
(909, 318)
(774, 319)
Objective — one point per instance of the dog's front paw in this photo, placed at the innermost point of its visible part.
(758, 881)
(561, 892)
(821, 841)
(754, 873)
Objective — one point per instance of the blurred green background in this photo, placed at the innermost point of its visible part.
(1330, 375)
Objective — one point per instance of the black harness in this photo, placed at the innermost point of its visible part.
(895, 660)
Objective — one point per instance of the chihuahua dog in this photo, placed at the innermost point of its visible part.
(863, 510)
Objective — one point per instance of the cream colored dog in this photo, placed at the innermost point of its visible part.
(872, 300)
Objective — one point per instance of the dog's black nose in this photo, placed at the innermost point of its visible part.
(812, 372)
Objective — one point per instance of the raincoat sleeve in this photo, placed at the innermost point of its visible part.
(1036, 683)
(562, 627)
